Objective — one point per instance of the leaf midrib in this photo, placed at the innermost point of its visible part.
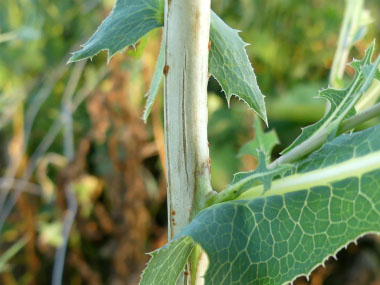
(354, 167)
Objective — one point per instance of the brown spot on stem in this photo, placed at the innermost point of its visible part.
(209, 45)
(166, 69)
(173, 213)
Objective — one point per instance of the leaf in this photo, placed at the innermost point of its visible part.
(331, 200)
(168, 263)
(156, 81)
(262, 141)
(243, 181)
(230, 66)
(128, 22)
(261, 174)
(342, 102)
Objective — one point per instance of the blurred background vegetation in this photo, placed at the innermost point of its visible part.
(77, 129)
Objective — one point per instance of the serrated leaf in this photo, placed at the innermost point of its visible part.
(230, 66)
(156, 81)
(342, 102)
(261, 174)
(128, 22)
(331, 200)
(262, 141)
(243, 181)
(168, 263)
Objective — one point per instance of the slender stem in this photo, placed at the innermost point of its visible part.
(302, 150)
(45, 144)
(348, 31)
(68, 150)
(187, 26)
(360, 118)
(369, 98)
(320, 138)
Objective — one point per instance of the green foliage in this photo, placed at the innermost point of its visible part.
(342, 102)
(262, 141)
(230, 66)
(228, 63)
(243, 181)
(330, 200)
(167, 263)
(156, 81)
(128, 22)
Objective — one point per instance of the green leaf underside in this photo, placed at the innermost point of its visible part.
(287, 233)
(342, 102)
(156, 81)
(228, 63)
(230, 66)
(262, 141)
(128, 22)
(168, 263)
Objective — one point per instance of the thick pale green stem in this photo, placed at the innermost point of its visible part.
(187, 27)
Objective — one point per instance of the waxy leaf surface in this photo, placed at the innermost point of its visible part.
(342, 102)
(331, 199)
(228, 63)
(129, 21)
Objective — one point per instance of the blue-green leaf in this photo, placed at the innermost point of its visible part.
(331, 199)
(156, 81)
(128, 22)
(342, 102)
(168, 263)
(230, 66)
(262, 141)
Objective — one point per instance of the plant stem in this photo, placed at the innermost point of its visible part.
(320, 138)
(360, 118)
(303, 149)
(348, 31)
(187, 26)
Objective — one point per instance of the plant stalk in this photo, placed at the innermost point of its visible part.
(231, 193)
(187, 27)
(350, 27)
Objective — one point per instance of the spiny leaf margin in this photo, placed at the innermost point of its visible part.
(128, 22)
(342, 102)
(167, 263)
(276, 238)
(236, 76)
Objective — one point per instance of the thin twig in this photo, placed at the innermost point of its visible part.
(360, 118)
(352, 15)
(46, 143)
(31, 113)
(68, 150)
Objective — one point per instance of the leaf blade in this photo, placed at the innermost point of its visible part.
(289, 231)
(167, 263)
(156, 81)
(230, 65)
(342, 102)
(128, 22)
